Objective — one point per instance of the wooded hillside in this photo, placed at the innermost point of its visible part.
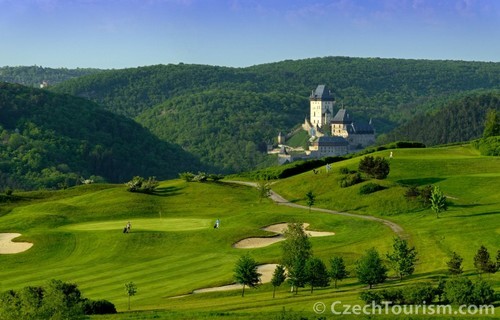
(226, 115)
(52, 140)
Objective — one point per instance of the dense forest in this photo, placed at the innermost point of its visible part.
(461, 119)
(34, 76)
(226, 116)
(53, 140)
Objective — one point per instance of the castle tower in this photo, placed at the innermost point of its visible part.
(321, 104)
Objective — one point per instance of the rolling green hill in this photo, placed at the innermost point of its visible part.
(461, 119)
(52, 140)
(226, 116)
(173, 249)
(34, 76)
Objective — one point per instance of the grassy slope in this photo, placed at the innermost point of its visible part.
(78, 238)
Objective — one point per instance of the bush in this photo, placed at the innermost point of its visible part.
(8, 192)
(186, 176)
(98, 307)
(377, 168)
(483, 293)
(350, 180)
(139, 184)
(370, 297)
(394, 295)
(419, 293)
(459, 291)
(344, 170)
(421, 194)
(370, 188)
(488, 146)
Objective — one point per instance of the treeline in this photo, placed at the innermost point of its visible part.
(389, 90)
(33, 76)
(228, 129)
(459, 120)
(52, 140)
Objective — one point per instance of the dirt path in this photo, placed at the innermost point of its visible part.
(396, 228)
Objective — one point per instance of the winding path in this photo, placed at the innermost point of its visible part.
(396, 228)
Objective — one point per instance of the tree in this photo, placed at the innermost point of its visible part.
(279, 277)
(264, 189)
(297, 276)
(403, 258)
(316, 273)
(482, 261)
(498, 260)
(455, 264)
(131, 290)
(370, 268)
(310, 199)
(438, 201)
(337, 270)
(491, 124)
(245, 272)
(377, 167)
(296, 245)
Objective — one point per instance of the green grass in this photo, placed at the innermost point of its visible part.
(173, 248)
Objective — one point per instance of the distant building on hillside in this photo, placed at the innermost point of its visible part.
(321, 122)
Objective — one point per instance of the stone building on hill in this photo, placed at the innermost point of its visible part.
(346, 134)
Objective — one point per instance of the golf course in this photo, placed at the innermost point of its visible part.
(173, 249)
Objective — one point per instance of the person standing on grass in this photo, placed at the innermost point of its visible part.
(128, 227)
(217, 224)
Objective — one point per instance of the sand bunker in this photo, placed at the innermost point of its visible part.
(259, 242)
(9, 247)
(266, 271)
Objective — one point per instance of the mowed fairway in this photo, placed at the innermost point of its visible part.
(173, 248)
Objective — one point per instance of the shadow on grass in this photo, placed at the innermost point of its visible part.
(167, 191)
(420, 182)
(477, 214)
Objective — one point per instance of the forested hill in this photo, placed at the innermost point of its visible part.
(388, 90)
(33, 76)
(225, 115)
(52, 140)
(461, 119)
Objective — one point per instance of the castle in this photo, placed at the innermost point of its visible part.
(331, 135)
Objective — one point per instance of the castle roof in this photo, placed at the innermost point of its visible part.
(342, 117)
(322, 93)
(361, 127)
(325, 141)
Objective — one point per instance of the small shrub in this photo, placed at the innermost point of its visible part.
(215, 177)
(98, 307)
(200, 177)
(459, 291)
(394, 295)
(370, 297)
(350, 180)
(370, 188)
(419, 293)
(186, 176)
(344, 170)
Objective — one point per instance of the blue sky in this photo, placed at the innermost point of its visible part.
(240, 33)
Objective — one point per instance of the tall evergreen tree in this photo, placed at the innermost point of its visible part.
(482, 261)
(279, 276)
(438, 201)
(455, 264)
(245, 272)
(310, 199)
(370, 268)
(492, 124)
(317, 274)
(296, 245)
(402, 258)
(338, 271)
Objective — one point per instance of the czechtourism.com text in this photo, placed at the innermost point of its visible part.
(387, 308)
